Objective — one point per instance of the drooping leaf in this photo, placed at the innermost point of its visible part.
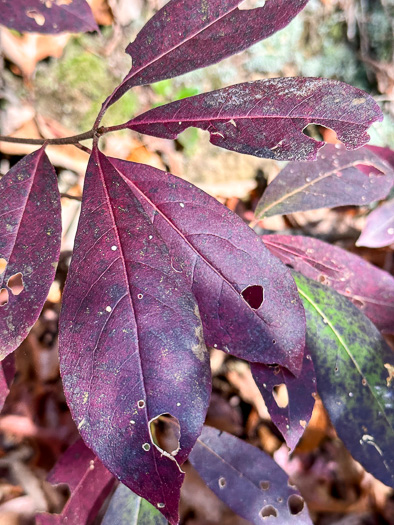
(354, 370)
(266, 118)
(290, 417)
(89, 482)
(126, 508)
(50, 16)
(368, 287)
(333, 180)
(191, 34)
(30, 228)
(247, 479)
(131, 345)
(379, 228)
(247, 298)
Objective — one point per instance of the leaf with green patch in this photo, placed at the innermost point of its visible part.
(354, 370)
(126, 508)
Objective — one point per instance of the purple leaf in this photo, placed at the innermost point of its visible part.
(30, 229)
(247, 479)
(50, 16)
(190, 34)
(247, 298)
(7, 373)
(386, 154)
(291, 418)
(89, 482)
(131, 344)
(266, 118)
(379, 228)
(335, 179)
(368, 287)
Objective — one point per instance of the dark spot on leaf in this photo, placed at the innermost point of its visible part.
(296, 504)
(222, 483)
(268, 511)
(15, 284)
(254, 295)
(3, 296)
(265, 485)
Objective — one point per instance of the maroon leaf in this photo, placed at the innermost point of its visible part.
(338, 178)
(89, 482)
(247, 479)
(247, 298)
(7, 373)
(368, 287)
(379, 228)
(131, 345)
(386, 154)
(292, 417)
(50, 16)
(266, 118)
(30, 228)
(191, 34)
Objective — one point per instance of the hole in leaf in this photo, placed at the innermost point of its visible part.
(319, 132)
(37, 17)
(296, 504)
(3, 265)
(251, 4)
(254, 295)
(281, 395)
(4, 296)
(15, 284)
(165, 434)
(358, 303)
(222, 483)
(268, 511)
(265, 485)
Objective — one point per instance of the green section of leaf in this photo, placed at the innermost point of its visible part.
(352, 364)
(126, 508)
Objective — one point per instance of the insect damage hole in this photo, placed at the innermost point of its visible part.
(268, 511)
(3, 265)
(265, 485)
(165, 432)
(253, 295)
(222, 482)
(281, 395)
(37, 17)
(15, 283)
(4, 296)
(295, 503)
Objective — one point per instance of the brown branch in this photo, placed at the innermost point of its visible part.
(75, 139)
(72, 197)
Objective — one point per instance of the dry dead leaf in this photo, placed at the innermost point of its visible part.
(102, 12)
(27, 50)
